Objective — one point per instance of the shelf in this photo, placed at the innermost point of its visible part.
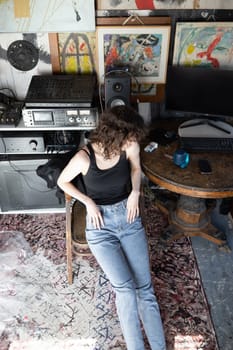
(20, 185)
(35, 211)
(22, 127)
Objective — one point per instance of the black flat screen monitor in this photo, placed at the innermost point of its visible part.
(202, 92)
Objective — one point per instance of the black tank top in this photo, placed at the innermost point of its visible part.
(108, 186)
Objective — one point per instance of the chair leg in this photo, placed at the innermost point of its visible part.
(69, 239)
(143, 218)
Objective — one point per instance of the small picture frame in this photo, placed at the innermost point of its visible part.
(142, 51)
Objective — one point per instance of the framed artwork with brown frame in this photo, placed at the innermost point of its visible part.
(54, 52)
(144, 89)
(142, 51)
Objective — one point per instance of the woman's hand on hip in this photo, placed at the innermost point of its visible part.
(132, 206)
(95, 214)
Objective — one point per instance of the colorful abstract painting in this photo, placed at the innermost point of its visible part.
(142, 51)
(77, 52)
(204, 44)
(142, 4)
(160, 5)
(31, 16)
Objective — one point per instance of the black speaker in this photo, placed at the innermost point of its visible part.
(117, 90)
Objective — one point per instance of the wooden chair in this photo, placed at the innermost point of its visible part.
(76, 243)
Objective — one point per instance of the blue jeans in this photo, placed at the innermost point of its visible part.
(121, 250)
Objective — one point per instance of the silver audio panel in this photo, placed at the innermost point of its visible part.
(22, 143)
(81, 118)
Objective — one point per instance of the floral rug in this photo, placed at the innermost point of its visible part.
(38, 309)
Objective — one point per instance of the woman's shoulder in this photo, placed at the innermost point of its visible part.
(84, 150)
(82, 154)
(132, 149)
(132, 146)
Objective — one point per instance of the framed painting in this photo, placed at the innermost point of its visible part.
(204, 44)
(77, 52)
(148, 5)
(139, 50)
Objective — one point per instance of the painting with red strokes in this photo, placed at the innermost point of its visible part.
(204, 44)
(145, 4)
(156, 4)
(143, 51)
(77, 52)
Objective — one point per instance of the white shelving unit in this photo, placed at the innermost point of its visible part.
(21, 189)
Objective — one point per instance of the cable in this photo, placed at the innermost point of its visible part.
(11, 91)
(4, 144)
(21, 172)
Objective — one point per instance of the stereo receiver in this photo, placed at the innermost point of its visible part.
(22, 143)
(81, 118)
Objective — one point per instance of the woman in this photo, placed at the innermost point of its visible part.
(110, 166)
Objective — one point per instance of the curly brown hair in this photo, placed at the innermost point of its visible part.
(117, 126)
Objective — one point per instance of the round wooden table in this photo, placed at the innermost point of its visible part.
(190, 217)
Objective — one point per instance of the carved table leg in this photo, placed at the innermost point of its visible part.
(191, 218)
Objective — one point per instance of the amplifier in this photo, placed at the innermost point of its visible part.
(22, 143)
(81, 118)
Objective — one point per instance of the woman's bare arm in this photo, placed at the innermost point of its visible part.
(133, 154)
(79, 165)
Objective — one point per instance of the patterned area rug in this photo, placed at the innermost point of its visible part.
(38, 309)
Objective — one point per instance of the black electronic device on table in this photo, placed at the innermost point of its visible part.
(204, 166)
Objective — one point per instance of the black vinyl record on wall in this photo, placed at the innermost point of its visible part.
(22, 55)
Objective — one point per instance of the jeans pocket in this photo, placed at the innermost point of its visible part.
(137, 224)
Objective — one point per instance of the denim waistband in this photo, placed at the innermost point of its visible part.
(115, 206)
